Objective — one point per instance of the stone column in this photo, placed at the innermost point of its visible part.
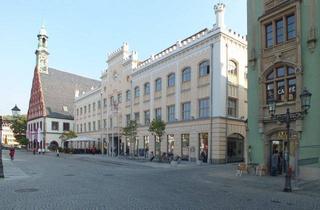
(177, 144)
(194, 147)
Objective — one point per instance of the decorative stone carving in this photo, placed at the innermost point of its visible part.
(312, 39)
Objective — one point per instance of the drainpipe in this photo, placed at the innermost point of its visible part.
(101, 127)
(211, 103)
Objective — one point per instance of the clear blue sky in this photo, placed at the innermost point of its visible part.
(82, 32)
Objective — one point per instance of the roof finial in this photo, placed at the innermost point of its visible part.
(43, 30)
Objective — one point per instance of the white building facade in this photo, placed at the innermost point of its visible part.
(197, 86)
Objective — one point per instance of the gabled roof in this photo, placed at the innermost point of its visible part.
(59, 91)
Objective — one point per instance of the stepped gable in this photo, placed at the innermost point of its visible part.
(59, 91)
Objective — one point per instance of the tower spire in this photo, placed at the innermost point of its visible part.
(42, 50)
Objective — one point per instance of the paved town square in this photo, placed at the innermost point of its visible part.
(101, 182)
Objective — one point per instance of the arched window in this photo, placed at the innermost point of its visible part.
(232, 68)
(136, 92)
(171, 80)
(281, 84)
(128, 95)
(158, 85)
(147, 88)
(186, 74)
(204, 68)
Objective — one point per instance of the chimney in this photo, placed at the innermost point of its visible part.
(219, 11)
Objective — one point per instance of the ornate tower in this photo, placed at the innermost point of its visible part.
(42, 51)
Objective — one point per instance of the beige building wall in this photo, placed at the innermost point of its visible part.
(221, 88)
(88, 115)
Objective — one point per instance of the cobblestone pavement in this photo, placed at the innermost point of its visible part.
(100, 182)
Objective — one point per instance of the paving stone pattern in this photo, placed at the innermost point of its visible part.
(100, 182)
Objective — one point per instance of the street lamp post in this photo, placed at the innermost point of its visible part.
(287, 118)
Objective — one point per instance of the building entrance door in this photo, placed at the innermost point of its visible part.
(277, 149)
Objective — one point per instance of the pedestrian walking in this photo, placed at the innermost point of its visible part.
(274, 163)
(151, 156)
(57, 151)
(11, 153)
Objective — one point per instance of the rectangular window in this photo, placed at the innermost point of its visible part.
(270, 92)
(104, 123)
(171, 80)
(111, 100)
(66, 126)
(89, 126)
(99, 104)
(94, 106)
(89, 108)
(85, 109)
(158, 85)
(84, 127)
(81, 111)
(204, 69)
(119, 98)
(158, 113)
(269, 38)
(186, 111)
(128, 95)
(292, 89)
(81, 128)
(280, 90)
(104, 102)
(232, 107)
(147, 117)
(147, 89)
(110, 123)
(171, 113)
(279, 31)
(170, 143)
(281, 72)
(137, 117)
(291, 27)
(77, 111)
(186, 74)
(99, 124)
(77, 128)
(136, 92)
(204, 108)
(54, 126)
(185, 141)
(94, 125)
(128, 118)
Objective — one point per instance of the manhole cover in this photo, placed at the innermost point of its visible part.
(69, 175)
(26, 190)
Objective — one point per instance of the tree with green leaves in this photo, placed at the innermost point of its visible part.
(19, 128)
(65, 136)
(130, 132)
(157, 128)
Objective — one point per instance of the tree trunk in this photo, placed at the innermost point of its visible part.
(1, 164)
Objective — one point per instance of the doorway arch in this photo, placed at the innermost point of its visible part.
(53, 145)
